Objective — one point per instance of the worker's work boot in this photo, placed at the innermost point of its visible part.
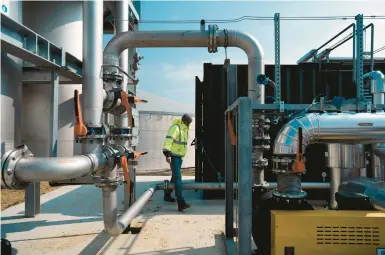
(169, 198)
(183, 205)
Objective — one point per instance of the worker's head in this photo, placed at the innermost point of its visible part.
(187, 119)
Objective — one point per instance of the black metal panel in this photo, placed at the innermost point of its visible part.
(333, 79)
(198, 129)
(214, 106)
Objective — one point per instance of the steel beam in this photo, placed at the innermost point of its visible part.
(37, 50)
(229, 157)
(41, 76)
(244, 175)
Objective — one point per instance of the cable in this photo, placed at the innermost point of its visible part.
(219, 177)
(379, 49)
(243, 18)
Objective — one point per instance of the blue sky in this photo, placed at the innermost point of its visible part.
(171, 72)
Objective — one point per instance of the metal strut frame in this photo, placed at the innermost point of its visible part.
(360, 55)
(241, 243)
(277, 69)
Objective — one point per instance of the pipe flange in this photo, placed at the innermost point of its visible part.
(112, 183)
(8, 164)
(213, 38)
(114, 77)
(260, 163)
(94, 133)
(280, 195)
(110, 153)
(165, 186)
(121, 133)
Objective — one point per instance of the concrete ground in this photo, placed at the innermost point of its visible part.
(71, 223)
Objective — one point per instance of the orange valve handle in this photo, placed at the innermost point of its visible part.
(138, 100)
(231, 130)
(138, 154)
(79, 129)
(126, 103)
(299, 166)
(126, 173)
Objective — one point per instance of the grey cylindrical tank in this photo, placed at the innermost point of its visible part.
(11, 90)
(62, 24)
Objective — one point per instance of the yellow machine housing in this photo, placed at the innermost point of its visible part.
(327, 232)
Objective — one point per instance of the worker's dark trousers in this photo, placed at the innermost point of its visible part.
(176, 179)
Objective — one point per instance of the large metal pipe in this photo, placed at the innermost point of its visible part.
(157, 39)
(344, 161)
(374, 189)
(121, 26)
(115, 225)
(344, 128)
(378, 92)
(222, 186)
(92, 61)
(55, 169)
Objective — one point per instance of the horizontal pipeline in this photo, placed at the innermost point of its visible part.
(222, 185)
(127, 216)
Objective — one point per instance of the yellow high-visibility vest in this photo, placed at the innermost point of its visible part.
(176, 139)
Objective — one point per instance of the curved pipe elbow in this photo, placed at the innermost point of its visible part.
(246, 42)
(375, 75)
(379, 151)
(343, 128)
(286, 142)
(113, 230)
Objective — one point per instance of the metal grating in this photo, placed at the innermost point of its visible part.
(348, 235)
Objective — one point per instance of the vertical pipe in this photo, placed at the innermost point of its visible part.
(244, 175)
(121, 121)
(378, 164)
(92, 61)
(344, 161)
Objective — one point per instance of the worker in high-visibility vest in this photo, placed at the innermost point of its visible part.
(175, 148)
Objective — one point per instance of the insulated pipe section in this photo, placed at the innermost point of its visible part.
(344, 128)
(377, 87)
(379, 151)
(157, 39)
(56, 169)
(92, 61)
(371, 188)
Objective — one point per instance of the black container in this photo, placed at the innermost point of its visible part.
(299, 85)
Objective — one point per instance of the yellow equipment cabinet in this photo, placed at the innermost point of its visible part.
(327, 232)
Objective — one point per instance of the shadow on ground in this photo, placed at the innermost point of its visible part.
(91, 209)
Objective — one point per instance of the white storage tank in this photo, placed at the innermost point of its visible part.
(11, 87)
(62, 24)
(155, 118)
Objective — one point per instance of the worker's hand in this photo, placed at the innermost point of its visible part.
(168, 159)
